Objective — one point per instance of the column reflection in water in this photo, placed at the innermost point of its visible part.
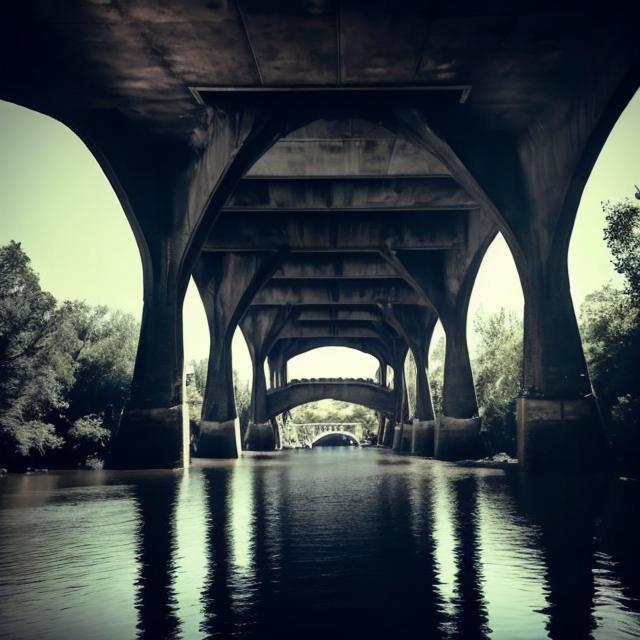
(216, 596)
(155, 496)
(423, 521)
(564, 509)
(470, 608)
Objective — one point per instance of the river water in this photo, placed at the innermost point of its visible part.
(331, 543)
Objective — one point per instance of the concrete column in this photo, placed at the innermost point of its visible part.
(402, 428)
(559, 424)
(172, 193)
(227, 283)
(458, 428)
(261, 327)
(415, 325)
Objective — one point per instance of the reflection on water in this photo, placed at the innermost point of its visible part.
(318, 543)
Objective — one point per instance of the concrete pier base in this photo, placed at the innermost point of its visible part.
(149, 439)
(458, 439)
(560, 435)
(219, 439)
(260, 437)
(423, 442)
(402, 437)
(387, 436)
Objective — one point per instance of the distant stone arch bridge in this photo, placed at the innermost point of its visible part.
(299, 392)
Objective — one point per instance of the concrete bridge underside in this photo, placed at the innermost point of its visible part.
(327, 173)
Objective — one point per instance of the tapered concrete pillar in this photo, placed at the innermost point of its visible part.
(457, 433)
(261, 327)
(401, 435)
(415, 325)
(227, 283)
(172, 193)
(559, 423)
(532, 188)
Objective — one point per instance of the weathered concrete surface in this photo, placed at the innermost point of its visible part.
(458, 439)
(343, 292)
(302, 195)
(260, 437)
(424, 433)
(403, 437)
(219, 439)
(261, 327)
(227, 283)
(346, 231)
(297, 393)
(560, 434)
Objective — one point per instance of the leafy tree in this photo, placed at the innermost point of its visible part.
(436, 374)
(622, 235)
(34, 370)
(104, 360)
(610, 326)
(88, 438)
(497, 368)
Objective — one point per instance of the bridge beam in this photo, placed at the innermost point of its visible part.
(301, 392)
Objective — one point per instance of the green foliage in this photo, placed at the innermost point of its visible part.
(622, 235)
(34, 371)
(410, 381)
(32, 439)
(497, 368)
(436, 374)
(242, 390)
(335, 411)
(57, 364)
(88, 437)
(104, 360)
(610, 326)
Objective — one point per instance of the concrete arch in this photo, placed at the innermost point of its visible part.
(346, 436)
(295, 394)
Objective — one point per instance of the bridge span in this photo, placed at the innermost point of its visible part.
(368, 394)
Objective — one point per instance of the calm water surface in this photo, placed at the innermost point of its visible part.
(333, 543)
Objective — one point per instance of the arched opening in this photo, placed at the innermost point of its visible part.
(59, 205)
(311, 420)
(494, 335)
(335, 439)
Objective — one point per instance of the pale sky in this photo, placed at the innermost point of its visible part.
(56, 201)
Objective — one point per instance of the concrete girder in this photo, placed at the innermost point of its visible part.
(336, 293)
(357, 231)
(305, 195)
(309, 266)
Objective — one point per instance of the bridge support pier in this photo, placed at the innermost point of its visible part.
(559, 423)
(227, 283)
(260, 437)
(423, 443)
(457, 438)
(219, 439)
